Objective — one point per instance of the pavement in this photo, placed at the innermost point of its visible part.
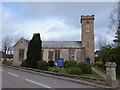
(99, 73)
(12, 78)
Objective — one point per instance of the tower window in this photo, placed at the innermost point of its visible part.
(87, 26)
(87, 29)
(87, 43)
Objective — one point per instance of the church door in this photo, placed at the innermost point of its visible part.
(88, 61)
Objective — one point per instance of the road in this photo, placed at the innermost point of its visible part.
(12, 78)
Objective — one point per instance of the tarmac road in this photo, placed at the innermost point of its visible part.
(12, 78)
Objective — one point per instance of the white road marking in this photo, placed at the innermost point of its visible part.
(1, 70)
(37, 83)
(13, 74)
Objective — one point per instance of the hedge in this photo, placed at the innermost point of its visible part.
(51, 63)
(86, 68)
(73, 70)
(24, 63)
(70, 63)
(42, 65)
(100, 64)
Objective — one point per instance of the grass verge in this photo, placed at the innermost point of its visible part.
(93, 74)
(100, 69)
(62, 71)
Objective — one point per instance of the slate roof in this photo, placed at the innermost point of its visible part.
(61, 44)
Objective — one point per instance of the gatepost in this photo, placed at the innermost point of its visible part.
(111, 74)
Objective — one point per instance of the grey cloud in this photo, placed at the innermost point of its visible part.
(70, 12)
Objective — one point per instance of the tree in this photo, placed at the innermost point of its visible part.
(34, 51)
(6, 46)
(115, 22)
(102, 41)
(117, 37)
(109, 54)
(105, 54)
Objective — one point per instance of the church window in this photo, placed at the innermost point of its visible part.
(87, 43)
(71, 54)
(21, 54)
(50, 55)
(57, 54)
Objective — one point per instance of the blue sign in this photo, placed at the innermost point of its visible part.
(60, 62)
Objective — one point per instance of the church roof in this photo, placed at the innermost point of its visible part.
(61, 44)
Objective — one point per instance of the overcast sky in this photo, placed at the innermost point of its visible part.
(54, 21)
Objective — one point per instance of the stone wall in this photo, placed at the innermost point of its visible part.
(64, 53)
(21, 44)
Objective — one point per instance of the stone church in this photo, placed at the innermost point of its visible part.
(68, 50)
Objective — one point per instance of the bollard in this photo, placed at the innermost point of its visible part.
(111, 74)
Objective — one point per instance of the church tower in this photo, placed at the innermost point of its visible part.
(87, 25)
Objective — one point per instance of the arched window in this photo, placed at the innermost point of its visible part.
(87, 43)
(21, 54)
(87, 26)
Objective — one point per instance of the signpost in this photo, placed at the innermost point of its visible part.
(60, 62)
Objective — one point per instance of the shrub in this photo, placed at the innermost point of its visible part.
(73, 70)
(56, 69)
(42, 65)
(24, 64)
(51, 63)
(70, 63)
(8, 62)
(86, 68)
(100, 64)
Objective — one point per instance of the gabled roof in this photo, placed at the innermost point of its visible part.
(59, 44)
(19, 40)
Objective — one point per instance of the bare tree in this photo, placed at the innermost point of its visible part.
(102, 41)
(115, 22)
(6, 45)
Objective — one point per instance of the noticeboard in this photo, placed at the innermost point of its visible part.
(60, 62)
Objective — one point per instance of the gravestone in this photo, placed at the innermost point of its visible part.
(111, 74)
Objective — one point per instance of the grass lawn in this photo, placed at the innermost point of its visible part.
(100, 69)
(62, 71)
(93, 74)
